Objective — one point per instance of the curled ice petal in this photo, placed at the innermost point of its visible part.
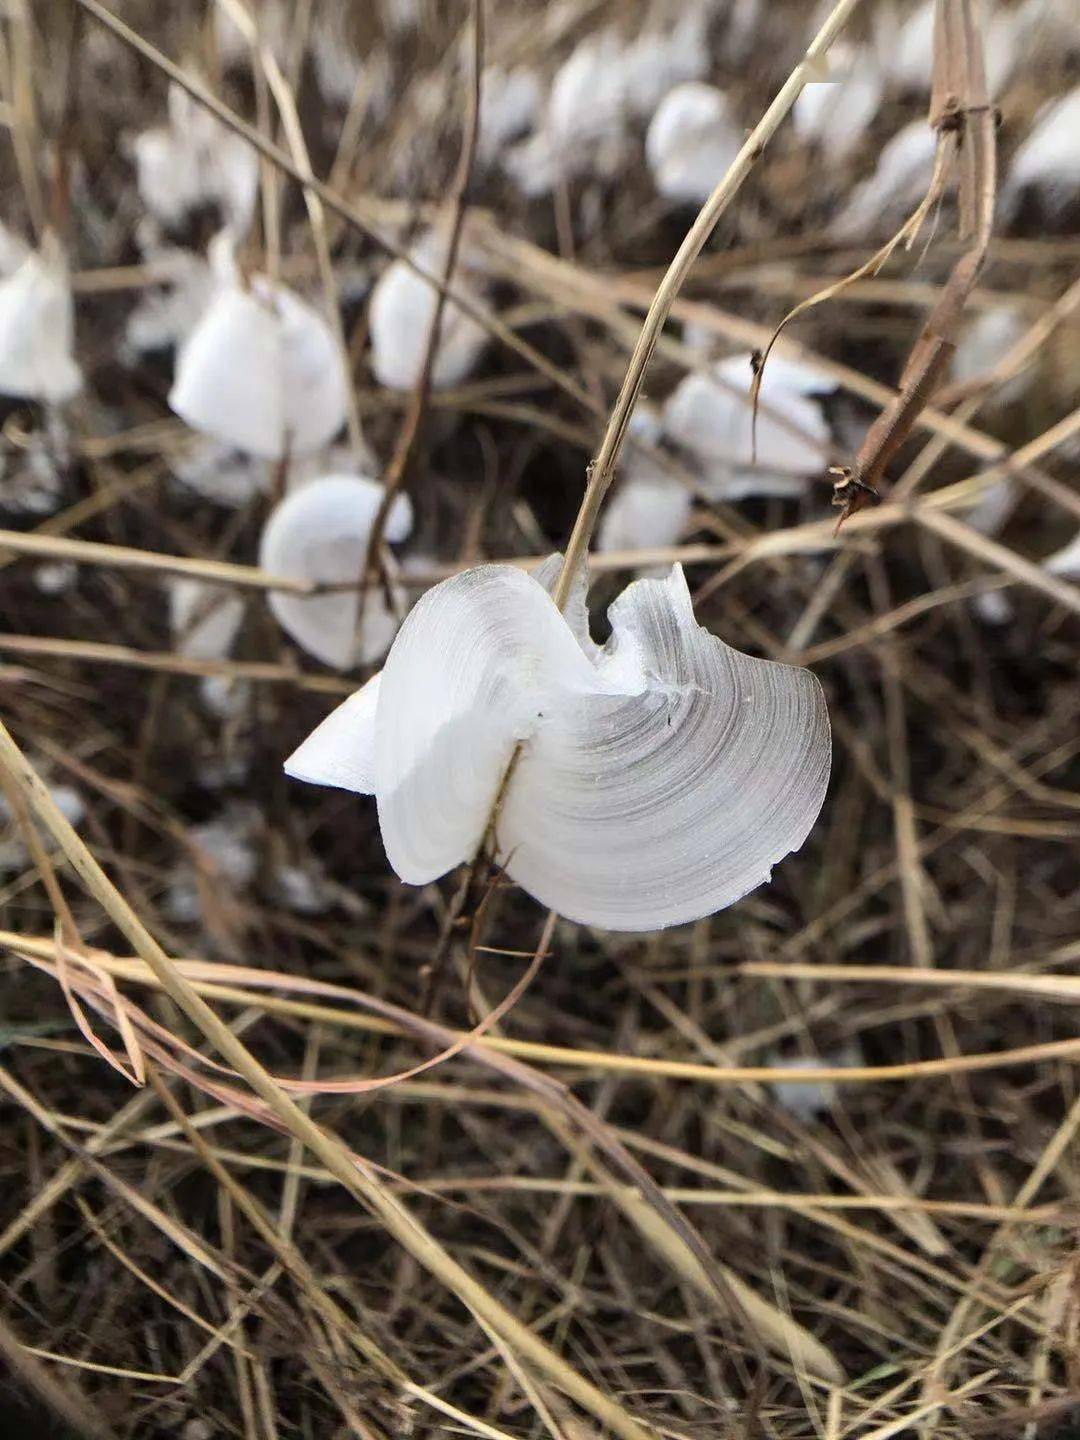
(657, 783)
(262, 371)
(341, 751)
(37, 328)
(691, 141)
(320, 532)
(712, 417)
(402, 309)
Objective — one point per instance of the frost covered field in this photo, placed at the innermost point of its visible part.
(539, 575)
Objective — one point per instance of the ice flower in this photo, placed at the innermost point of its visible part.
(1005, 37)
(1048, 161)
(220, 473)
(710, 415)
(692, 139)
(583, 130)
(221, 858)
(262, 371)
(37, 326)
(659, 60)
(509, 104)
(193, 161)
(320, 532)
(660, 778)
(836, 113)
(402, 309)
(13, 852)
(649, 509)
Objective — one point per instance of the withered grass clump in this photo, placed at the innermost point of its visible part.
(423, 1162)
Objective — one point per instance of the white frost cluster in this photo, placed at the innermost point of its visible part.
(602, 88)
(37, 324)
(194, 160)
(400, 316)
(836, 113)
(709, 414)
(692, 139)
(661, 777)
(262, 371)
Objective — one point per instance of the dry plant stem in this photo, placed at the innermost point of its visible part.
(73, 1408)
(123, 557)
(285, 1250)
(24, 131)
(602, 469)
(360, 1182)
(222, 982)
(959, 102)
(398, 470)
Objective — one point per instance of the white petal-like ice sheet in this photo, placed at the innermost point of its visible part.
(313, 375)
(320, 532)
(469, 675)
(639, 811)
(691, 142)
(713, 417)
(229, 377)
(262, 371)
(400, 316)
(341, 751)
(37, 324)
(657, 783)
